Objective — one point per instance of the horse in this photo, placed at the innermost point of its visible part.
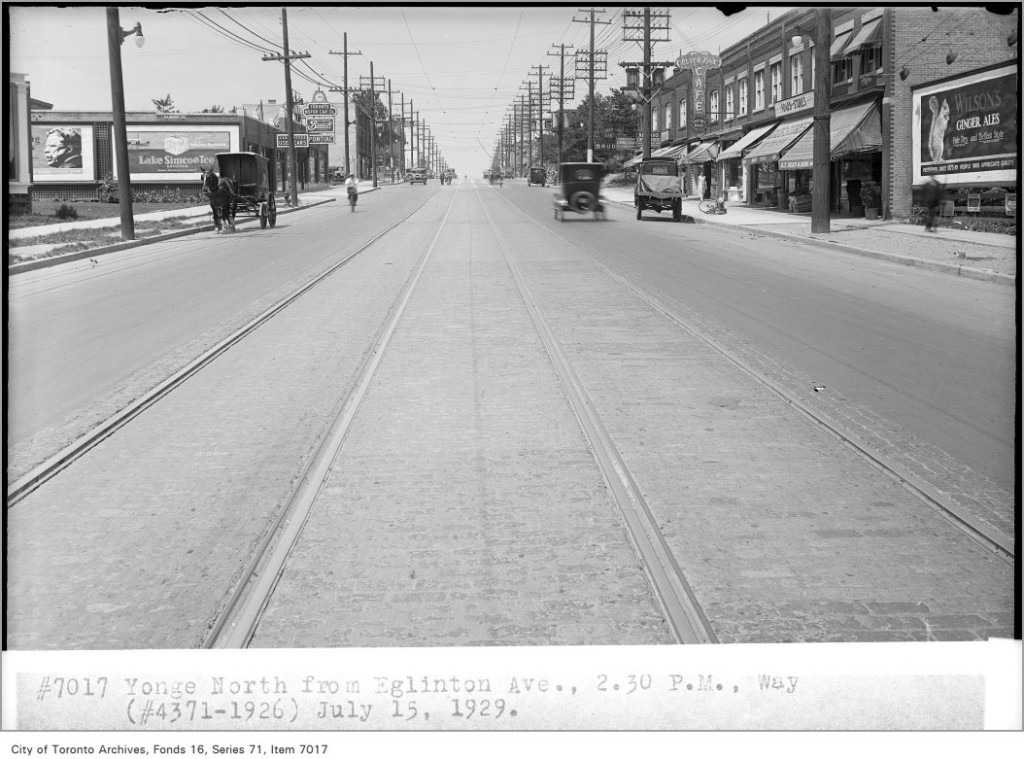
(222, 193)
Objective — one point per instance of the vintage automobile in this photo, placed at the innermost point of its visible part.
(537, 175)
(659, 188)
(418, 175)
(579, 190)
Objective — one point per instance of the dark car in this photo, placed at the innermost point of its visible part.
(418, 175)
(579, 190)
(537, 175)
(659, 188)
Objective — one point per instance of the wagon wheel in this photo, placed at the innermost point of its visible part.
(272, 215)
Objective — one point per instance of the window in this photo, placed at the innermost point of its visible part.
(796, 69)
(758, 90)
(656, 118)
(713, 107)
(730, 103)
(682, 113)
(742, 84)
(842, 69)
(776, 82)
(871, 58)
(668, 116)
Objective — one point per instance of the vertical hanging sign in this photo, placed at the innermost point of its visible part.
(699, 63)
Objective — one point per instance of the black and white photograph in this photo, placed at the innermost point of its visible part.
(510, 368)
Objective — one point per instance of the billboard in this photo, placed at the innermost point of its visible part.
(163, 151)
(965, 128)
(62, 153)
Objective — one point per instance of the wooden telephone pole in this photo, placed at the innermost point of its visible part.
(287, 57)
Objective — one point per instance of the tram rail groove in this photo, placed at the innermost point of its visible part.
(49, 468)
(683, 612)
(997, 542)
(236, 624)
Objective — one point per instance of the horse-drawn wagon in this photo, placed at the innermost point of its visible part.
(244, 183)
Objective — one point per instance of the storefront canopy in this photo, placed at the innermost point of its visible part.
(851, 130)
(704, 151)
(772, 146)
(840, 44)
(750, 138)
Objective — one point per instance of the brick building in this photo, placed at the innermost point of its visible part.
(753, 139)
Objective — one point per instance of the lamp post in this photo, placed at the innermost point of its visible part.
(115, 37)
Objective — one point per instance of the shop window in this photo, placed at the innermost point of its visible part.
(776, 82)
(742, 85)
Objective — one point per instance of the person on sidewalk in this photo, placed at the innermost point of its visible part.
(933, 193)
(352, 189)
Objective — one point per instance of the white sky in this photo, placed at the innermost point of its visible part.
(462, 66)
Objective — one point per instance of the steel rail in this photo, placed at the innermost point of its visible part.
(992, 539)
(236, 623)
(682, 609)
(63, 458)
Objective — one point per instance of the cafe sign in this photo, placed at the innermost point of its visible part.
(699, 63)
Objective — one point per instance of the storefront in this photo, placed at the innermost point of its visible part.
(767, 181)
(855, 151)
(736, 175)
(701, 177)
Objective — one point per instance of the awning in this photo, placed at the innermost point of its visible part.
(670, 151)
(851, 130)
(869, 33)
(840, 43)
(772, 146)
(705, 151)
(736, 149)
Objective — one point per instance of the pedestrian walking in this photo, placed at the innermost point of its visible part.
(353, 191)
(933, 193)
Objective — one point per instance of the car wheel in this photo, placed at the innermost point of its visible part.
(639, 211)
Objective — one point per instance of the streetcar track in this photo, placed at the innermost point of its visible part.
(236, 623)
(997, 542)
(682, 609)
(54, 464)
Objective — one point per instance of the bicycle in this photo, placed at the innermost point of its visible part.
(353, 194)
(716, 206)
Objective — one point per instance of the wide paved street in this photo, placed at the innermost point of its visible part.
(492, 427)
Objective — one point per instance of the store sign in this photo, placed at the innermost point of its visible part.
(321, 139)
(320, 124)
(699, 63)
(319, 109)
(965, 129)
(301, 140)
(795, 104)
(179, 152)
(62, 153)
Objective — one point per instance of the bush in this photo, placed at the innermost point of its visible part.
(871, 195)
(107, 191)
(64, 211)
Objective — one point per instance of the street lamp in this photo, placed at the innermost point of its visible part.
(115, 37)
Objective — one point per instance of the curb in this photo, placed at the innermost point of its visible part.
(960, 271)
(42, 263)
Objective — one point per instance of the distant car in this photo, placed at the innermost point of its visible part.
(537, 175)
(580, 190)
(418, 175)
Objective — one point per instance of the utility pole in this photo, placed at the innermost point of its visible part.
(820, 220)
(401, 162)
(391, 133)
(594, 59)
(287, 58)
(529, 127)
(373, 117)
(566, 91)
(540, 110)
(652, 22)
(115, 37)
(345, 54)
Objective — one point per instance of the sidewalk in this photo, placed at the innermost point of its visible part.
(978, 255)
(35, 256)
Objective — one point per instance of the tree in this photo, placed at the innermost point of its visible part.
(214, 109)
(165, 104)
